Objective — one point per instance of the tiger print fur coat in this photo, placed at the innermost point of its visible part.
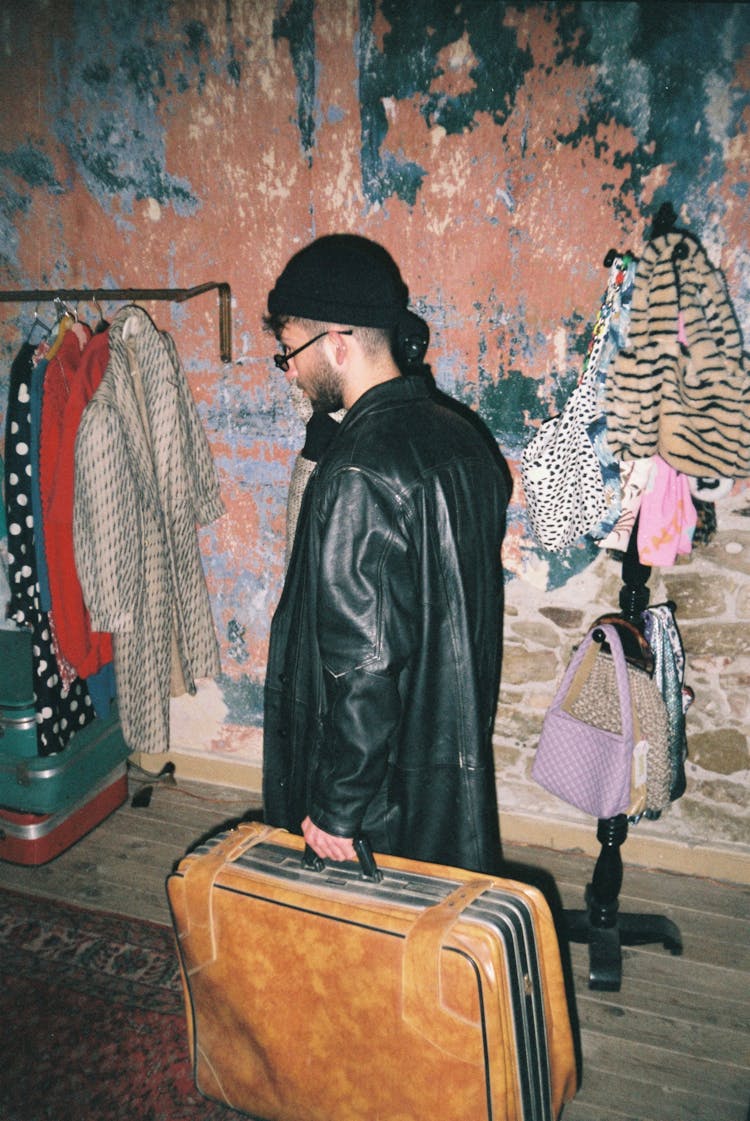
(681, 385)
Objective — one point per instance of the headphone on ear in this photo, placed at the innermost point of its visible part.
(411, 339)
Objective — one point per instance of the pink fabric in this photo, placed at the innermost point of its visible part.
(667, 516)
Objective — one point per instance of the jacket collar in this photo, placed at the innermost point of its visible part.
(401, 390)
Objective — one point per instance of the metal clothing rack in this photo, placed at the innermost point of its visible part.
(178, 295)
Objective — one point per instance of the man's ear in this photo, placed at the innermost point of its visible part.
(340, 346)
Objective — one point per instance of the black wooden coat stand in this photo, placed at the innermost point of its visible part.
(602, 925)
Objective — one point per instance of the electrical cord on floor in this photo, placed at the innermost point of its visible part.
(142, 797)
(166, 777)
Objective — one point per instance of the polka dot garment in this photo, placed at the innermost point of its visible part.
(59, 711)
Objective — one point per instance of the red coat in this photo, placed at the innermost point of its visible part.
(86, 650)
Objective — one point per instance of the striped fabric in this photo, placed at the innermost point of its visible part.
(681, 387)
(144, 478)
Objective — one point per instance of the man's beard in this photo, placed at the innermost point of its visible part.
(301, 402)
(325, 388)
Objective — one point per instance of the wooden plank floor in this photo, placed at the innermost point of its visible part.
(672, 1045)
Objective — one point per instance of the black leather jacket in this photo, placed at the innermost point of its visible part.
(385, 648)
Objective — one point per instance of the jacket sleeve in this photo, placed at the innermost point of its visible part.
(87, 652)
(106, 526)
(366, 625)
(201, 478)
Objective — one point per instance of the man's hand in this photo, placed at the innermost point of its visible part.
(326, 844)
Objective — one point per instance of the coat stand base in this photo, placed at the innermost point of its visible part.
(601, 925)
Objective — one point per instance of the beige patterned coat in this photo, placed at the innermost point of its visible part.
(144, 479)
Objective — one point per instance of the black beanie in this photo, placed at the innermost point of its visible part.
(341, 278)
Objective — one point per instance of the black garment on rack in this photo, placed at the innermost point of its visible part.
(60, 712)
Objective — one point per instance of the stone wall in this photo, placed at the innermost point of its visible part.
(711, 593)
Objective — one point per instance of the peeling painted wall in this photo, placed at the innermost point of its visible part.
(498, 150)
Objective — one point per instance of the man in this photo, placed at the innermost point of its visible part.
(409, 346)
(385, 647)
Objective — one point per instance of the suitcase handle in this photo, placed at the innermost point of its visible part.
(367, 866)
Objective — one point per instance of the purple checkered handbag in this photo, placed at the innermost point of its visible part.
(584, 764)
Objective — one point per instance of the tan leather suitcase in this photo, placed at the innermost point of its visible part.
(320, 995)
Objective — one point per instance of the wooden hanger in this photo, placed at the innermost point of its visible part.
(63, 327)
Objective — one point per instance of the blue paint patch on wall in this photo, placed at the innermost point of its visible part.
(569, 562)
(201, 55)
(234, 70)
(11, 205)
(256, 469)
(236, 638)
(254, 423)
(297, 27)
(506, 404)
(244, 700)
(32, 167)
(656, 65)
(33, 170)
(408, 65)
(107, 115)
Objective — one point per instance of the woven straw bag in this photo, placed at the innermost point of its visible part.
(588, 764)
(605, 739)
(596, 704)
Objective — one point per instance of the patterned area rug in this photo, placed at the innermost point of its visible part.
(92, 1025)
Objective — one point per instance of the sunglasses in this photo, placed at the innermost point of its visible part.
(282, 360)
